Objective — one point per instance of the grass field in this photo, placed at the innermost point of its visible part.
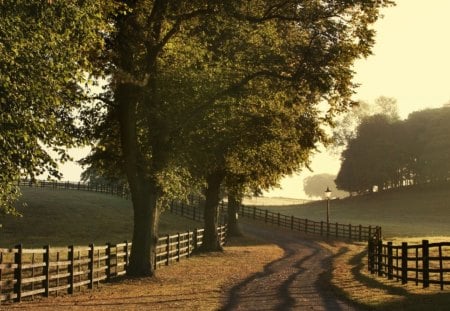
(64, 217)
(409, 212)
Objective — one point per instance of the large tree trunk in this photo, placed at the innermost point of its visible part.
(211, 240)
(234, 203)
(144, 192)
(145, 234)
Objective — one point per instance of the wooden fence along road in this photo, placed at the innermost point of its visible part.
(43, 271)
(29, 272)
(426, 263)
(333, 230)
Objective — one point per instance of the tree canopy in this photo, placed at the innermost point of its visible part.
(47, 51)
(315, 186)
(391, 153)
(231, 87)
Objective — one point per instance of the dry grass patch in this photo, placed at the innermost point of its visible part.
(199, 283)
(351, 279)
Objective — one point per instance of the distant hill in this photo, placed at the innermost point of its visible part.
(63, 217)
(273, 201)
(411, 211)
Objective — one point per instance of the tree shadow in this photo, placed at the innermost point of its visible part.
(436, 301)
(283, 295)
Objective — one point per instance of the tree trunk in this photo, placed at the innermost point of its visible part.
(234, 202)
(210, 236)
(144, 193)
(145, 235)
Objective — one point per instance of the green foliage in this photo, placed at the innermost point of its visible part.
(224, 87)
(390, 153)
(46, 52)
(315, 186)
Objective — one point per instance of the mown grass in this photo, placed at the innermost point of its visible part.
(409, 212)
(64, 217)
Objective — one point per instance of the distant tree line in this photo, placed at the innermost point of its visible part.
(315, 186)
(387, 152)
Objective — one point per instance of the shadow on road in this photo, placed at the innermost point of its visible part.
(297, 281)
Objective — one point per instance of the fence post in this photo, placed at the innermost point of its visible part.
(337, 230)
(426, 263)
(278, 219)
(321, 228)
(370, 230)
(265, 217)
(360, 232)
(441, 272)
(292, 222)
(390, 268)
(126, 255)
(404, 262)
(254, 212)
(108, 261)
(349, 231)
(178, 246)
(194, 237)
(380, 257)
(371, 256)
(167, 249)
(306, 225)
(71, 268)
(46, 271)
(189, 244)
(91, 266)
(18, 272)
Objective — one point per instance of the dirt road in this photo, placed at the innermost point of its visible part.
(297, 281)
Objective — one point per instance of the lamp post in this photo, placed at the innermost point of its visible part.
(328, 195)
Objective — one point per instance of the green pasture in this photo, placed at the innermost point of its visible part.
(64, 217)
(409, 212)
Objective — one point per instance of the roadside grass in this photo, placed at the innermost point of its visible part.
(409, 212)
(63, 217)
(351, 279)
(202, 282)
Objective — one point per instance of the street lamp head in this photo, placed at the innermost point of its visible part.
(328, 192)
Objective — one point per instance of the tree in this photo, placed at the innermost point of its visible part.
(373, 157)
(314, 186)
(345, 125)
(47, 51)
(427, 145)
(166, 77)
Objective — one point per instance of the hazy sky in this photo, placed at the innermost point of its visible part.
(410, 62)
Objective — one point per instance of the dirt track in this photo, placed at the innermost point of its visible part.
(297, 281)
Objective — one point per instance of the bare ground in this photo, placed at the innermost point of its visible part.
(287, 271)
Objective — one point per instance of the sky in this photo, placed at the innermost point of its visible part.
(410, 62)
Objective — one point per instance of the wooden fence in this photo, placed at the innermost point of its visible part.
(335, 230)
(45, 271)
(121, 191)
(345, 231)
(426, 263)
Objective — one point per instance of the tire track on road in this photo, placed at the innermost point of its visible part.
(292, 282)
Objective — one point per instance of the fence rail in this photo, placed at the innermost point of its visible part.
(336, 230)
(121, 191)
(426, 263)
(45, 271)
